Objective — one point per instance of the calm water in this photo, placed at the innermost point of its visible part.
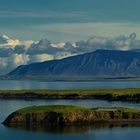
(7, 84)
(75, 133)
(82, 133)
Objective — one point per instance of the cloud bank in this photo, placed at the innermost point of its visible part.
(15, 52)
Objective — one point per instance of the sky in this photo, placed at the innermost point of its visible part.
(68, 20)
(42, 30)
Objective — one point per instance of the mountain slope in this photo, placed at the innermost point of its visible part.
(101, 63)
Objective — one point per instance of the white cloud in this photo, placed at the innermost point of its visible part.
(41, 47)
(40, 58)
(58, 45)
(7, 41)
(19, 59)
(43, 50)
(26, 43)
(9, 63)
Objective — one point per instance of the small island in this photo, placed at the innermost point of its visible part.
(62, 115)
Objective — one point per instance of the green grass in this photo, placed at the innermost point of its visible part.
(54, 108)
(79, 92)
(70, 108)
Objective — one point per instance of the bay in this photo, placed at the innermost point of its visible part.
(60, 85)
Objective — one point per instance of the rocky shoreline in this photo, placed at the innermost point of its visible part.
(62, 115)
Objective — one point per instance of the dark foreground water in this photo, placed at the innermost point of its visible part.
(96, 132)
(9, 84)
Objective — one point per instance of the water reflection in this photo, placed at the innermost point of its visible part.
(75, 129)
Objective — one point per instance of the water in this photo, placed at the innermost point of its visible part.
(9, 84)
(76, 133)
(121, 132)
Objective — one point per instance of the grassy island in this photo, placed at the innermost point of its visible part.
(103, 94)
(70, 115)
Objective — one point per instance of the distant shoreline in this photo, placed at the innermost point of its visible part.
(132, 94)
(69, 79)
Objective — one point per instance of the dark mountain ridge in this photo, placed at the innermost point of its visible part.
(100, 63)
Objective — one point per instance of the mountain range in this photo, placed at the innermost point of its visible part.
(97, 64)
(16, 52)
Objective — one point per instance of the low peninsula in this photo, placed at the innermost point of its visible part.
(62, 115)
(131, 94)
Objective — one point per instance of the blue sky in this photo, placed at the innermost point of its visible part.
(68, 20)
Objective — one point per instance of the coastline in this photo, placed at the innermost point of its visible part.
(132, 94)
(62, 115)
